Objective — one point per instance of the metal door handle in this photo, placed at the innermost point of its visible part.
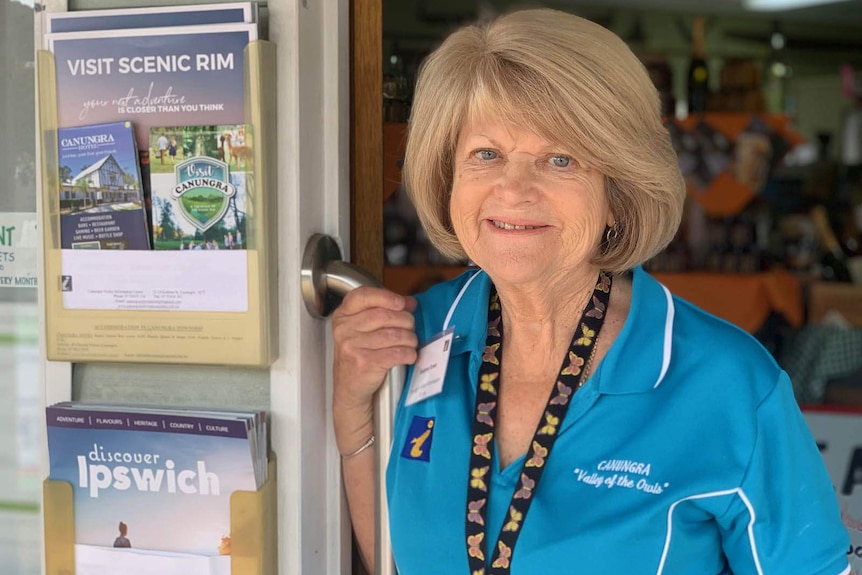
(326, 279)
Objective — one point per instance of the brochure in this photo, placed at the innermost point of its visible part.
(92, 560)
(130, 18)
(101, 197)
(199, 179)
(180, 66)
(254, 421)
(186, 75)
(150, 480)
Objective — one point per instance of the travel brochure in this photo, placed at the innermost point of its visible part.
(179, 66)
(101, 198)
(181, 76)
(154, 482)
(199, 178)
(166, 234)
(166, 89)
(130, 18)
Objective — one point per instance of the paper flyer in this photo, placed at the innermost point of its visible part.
(92, 560)
(101, 195)
(213, 281)
(130, 18)
(18, 239)
(149, 481)
(199, 178)
(215, 305)
(183, 76)
(839, 436)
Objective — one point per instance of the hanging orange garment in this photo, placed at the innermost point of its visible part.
(744, 300)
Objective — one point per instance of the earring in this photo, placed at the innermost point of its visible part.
(613, 233)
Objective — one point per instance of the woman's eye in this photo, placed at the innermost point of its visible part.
(486, 154)
(561, 161)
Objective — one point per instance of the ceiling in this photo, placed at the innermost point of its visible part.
(842, 12)
(820, 37)
(845, 13)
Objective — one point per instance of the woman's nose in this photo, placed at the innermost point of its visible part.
(518, 182)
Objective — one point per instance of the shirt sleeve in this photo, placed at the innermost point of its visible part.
(785, 519)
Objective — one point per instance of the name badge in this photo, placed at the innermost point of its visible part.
(429, 372)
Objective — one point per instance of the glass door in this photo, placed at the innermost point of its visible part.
(19, 353)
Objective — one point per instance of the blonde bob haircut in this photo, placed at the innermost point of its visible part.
(570, 81)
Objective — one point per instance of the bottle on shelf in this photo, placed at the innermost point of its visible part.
(850, 231)
(777, 72)
(698, 73)
(833, 261)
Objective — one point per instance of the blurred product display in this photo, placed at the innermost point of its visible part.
(698, 72)
(833, 262)
(404, 239)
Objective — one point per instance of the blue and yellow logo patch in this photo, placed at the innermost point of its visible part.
(419, 436)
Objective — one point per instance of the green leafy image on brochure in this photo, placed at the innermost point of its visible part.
(199, 177)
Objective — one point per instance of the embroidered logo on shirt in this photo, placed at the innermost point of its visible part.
(419, 436)
(621, 473)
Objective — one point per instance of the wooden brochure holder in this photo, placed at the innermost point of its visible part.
(247, 338)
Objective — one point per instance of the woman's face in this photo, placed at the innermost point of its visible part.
(524, 210)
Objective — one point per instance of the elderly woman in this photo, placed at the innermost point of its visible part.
(565, 412)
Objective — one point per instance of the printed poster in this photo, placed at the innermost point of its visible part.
(18, 239)
(839, 436)
(187, 75)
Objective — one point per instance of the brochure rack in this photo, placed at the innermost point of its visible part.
(254, 528)
(237, 337)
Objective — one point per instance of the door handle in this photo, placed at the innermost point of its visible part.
(325, 280)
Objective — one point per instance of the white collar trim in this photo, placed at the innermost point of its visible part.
(668, 336)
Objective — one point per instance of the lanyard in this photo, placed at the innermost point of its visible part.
(569, 380)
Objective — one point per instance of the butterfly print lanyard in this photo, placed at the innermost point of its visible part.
(570, 378)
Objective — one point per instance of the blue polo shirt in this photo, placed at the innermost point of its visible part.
(683, 454)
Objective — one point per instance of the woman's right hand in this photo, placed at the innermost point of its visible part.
(374, 331)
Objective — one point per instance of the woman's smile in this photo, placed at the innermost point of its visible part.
(507, 225)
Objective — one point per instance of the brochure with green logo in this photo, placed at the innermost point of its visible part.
(199, 177)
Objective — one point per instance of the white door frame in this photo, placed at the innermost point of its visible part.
(312, 37)
(313, 87)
